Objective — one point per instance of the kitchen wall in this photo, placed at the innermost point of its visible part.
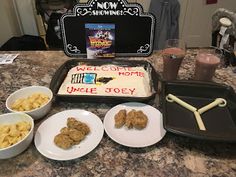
(195, 19)
(144, 3)
(18, 17)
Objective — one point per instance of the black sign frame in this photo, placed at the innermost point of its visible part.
(134, 29)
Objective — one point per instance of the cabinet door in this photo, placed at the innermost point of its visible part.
(26, 16)
(183, 9)
(9, 22)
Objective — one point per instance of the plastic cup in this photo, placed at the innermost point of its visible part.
(205, 65)
(172, 56)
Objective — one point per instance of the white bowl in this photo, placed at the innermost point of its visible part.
(15, 149)
(28, 91)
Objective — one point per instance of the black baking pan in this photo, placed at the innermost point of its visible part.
(62, 71)
(220, 122)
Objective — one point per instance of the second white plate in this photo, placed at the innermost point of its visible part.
(150, 135)
(44, 137)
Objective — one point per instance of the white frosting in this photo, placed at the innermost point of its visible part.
(122, 81)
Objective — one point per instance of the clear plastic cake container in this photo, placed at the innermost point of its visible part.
(62, 71)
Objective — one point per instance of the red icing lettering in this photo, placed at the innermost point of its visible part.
(132, 91)
(117, 90)
(104, 68)
(89, 68)
(134, 73)
(120, 68)
(108, 90)
(124, 91)
(113, 68)
(93, 90)
(72, 89)
(96, 68)
(80, 68)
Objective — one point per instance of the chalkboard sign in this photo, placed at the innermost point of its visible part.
(134, 29)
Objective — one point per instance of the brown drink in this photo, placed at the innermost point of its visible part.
(172, 59)
(206, 64)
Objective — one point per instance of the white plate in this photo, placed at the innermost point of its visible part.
(44, 137)
(150, 135)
